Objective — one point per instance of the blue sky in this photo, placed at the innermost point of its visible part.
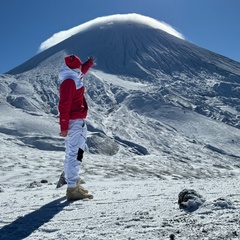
(25, 24)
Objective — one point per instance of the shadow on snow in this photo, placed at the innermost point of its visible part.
(26, 225)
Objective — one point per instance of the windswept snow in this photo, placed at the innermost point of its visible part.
(118, 81)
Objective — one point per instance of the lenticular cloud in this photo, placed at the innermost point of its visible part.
(61, 36)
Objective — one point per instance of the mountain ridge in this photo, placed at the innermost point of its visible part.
(156, 43)
(151, 95)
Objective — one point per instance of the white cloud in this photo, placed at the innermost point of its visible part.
(61, 36)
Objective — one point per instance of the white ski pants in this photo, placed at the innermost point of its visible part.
(76, 139)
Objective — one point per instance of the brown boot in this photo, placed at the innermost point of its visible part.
(77, 194)
(79, 182)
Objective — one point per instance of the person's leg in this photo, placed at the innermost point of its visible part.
(74, 143)
(75, 146)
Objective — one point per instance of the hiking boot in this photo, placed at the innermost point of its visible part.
(79, 182)
(77, 194)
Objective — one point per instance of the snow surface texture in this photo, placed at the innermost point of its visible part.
(164, 118)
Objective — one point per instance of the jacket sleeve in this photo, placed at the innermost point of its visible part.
(67, 89)
(86, 66)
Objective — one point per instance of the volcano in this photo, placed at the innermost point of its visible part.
(152, 93)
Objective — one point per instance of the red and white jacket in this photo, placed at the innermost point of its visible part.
(72, 103)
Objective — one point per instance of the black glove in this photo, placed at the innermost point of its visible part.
(92, 58)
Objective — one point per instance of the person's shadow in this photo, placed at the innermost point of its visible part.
(26, 225)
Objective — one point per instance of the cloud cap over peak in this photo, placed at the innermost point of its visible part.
(132, 17)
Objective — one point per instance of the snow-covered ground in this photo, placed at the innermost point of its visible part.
(135, 196)
(124, 207)
(164, 117)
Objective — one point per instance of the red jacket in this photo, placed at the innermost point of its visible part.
(72, 103)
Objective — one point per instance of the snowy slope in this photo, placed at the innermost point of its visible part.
(164, 116)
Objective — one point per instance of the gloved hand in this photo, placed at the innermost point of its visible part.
(92, 58)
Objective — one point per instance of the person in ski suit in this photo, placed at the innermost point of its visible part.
(73, 110)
